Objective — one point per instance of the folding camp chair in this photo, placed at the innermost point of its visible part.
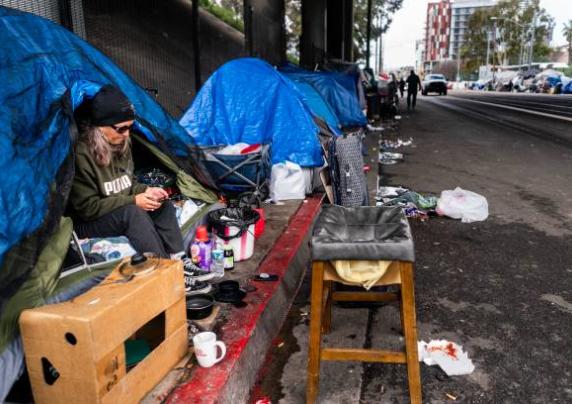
(244, 175)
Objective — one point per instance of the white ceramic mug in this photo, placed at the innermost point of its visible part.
(206, 349)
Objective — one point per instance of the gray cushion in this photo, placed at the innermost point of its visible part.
(362, 233)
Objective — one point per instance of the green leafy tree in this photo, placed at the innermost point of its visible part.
(380, 8)
(474, 50)
(293, 29)
(567, 31)
(516, 24)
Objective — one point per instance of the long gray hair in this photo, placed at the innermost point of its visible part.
(101, 150)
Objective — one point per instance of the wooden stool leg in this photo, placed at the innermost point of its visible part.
(410, 332)
(327, 308)
(315, 339)
(401, 312)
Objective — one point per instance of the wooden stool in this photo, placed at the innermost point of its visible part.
(323, 276)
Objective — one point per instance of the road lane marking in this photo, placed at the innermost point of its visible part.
(562, 118)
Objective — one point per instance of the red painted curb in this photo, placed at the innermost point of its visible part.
(205, 385)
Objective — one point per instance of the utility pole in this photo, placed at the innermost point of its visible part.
(196, 48)
(368, 34)
(381, 52)
(488, 49)
(376, 58)
(522, 40)
(532, 40)
(381, 59)
(458, 78)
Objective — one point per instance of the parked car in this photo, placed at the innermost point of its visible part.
(434, 83)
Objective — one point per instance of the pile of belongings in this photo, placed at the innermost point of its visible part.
(414, 205)
(185, 207)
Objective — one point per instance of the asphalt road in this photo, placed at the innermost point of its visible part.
(540, 115)
(502, 288)
(556, 106)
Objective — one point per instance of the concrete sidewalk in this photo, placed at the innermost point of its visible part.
(247, 332)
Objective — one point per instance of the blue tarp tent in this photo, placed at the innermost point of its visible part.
(45, 72)
(567, 89)
(247, 100)
(319, 107)
(337, 89)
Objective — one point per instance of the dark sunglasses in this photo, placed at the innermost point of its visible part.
(122, 129)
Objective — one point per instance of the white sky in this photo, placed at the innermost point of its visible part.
(408, 22)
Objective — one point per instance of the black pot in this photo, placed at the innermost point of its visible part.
(199, 306)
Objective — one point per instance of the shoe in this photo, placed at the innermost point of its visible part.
(193, 287)
(193, 272)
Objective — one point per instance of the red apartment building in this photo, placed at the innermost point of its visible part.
(437, 32)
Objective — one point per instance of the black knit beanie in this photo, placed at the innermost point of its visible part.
(110, 106)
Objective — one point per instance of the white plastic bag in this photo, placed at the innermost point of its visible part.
(287, 181)
(462, 204)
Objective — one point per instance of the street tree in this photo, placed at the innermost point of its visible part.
(293, 10)
(383, 11)
(567, 31)
(514, 25)
(474, 50)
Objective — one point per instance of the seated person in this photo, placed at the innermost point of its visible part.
(105, 199)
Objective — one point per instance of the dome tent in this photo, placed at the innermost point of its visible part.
(247, 100)
(46, 73)
(337, 89)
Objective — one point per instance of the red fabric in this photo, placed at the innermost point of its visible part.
(260, 224)
(253, 148)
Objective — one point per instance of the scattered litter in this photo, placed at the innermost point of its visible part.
(448, 355)
(372, 128)
(385, 192)
(462, 204)
(415, 213)
(280, 345)
(264, 400)
(395, 144)
(450, 396)
(403, 198)
(390, 156)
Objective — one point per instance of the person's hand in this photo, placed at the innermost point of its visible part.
(146, 202)
(156, 193)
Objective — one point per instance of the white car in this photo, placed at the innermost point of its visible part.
(434, 83)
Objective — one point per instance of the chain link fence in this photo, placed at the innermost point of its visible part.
(151, 40)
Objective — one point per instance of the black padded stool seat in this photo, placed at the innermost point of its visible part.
(358, 234)
(364, 233)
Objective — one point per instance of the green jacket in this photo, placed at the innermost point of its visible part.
(99, 190)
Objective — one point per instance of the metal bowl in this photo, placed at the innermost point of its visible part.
(199, 306)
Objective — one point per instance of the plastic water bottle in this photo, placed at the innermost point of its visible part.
(217, 265)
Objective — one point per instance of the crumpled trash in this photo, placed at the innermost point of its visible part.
(448, 355)
(413, 212)
(390, 156)
(395, 144)
(462, 204)
(422, 202)
(389, 192)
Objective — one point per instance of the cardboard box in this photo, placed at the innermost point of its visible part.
(75, 351)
